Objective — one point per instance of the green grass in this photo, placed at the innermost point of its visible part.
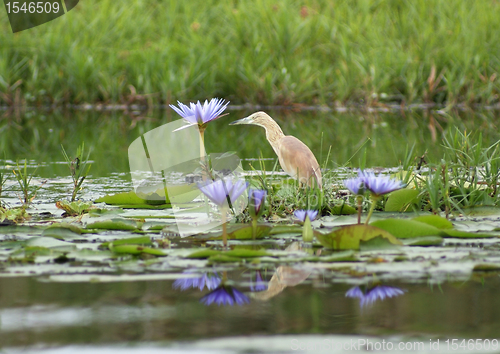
(260, 52)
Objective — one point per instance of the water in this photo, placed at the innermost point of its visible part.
(34, 312)
(95, 303)
(373, 139)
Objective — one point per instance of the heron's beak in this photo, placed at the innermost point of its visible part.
(241, 121)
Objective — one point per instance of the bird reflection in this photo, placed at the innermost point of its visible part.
(283, 277)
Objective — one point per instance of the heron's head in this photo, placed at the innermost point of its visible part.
(258, 118)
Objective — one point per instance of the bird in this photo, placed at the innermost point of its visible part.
(295, 158)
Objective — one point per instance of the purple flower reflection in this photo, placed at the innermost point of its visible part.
(210, 280)
(225, 295)
(378, 292)
(260, 285)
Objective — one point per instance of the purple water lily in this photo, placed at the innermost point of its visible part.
(355, 185)
(301, 214)
(210, 280)
(201, 114)
(378, 292)
(225, 295)
(379, 184)
(256, 197)
(219, 190)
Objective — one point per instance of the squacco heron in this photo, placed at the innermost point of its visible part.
(294, 156)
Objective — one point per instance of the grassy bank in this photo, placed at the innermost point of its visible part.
(262, 52)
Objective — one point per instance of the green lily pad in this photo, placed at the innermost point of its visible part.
(183, 193)
(285, 229)
(143, 240)
(344, 256)
(49, 242)
(237, 232)
(349, 237)
(342, 209)
(240, 253)
(404, 228)
(435, 220)
(136, 250)
(485, 267)
(377, 243)
(115, 224)
(222, 258)
(60, 233)
(464, 234)
(401, 200)
(423, 241)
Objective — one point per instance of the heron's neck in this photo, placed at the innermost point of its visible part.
(273, 134)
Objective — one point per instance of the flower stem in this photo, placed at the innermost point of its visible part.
(224, 229)
(307, 231)
(375, 199)
(254, 228)
(202, 144)
(360, 200)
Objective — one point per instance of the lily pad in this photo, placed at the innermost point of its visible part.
(115, 224)
(404, 228)
(349, 237)
(435, 220)
(485, 267)
(143, 240)
(135, 250)
(237, 232)
(401, 200)
(377, 243)
(240, 253)
(424, 241)
(61, 233)
(183, 193)
(342, 209)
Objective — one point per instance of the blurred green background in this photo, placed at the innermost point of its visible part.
(286, 52)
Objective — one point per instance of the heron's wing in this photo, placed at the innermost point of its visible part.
(295, 157)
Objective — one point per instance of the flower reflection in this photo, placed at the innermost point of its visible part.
(260, 285)
(225, 295)
(210, 280)
(378, 292)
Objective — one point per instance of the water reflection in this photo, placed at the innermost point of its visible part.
(259, 284)
(384, 136)
(210, 280)
(225, 295)
(373, 294)
(221, 294)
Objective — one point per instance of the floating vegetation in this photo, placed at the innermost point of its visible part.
(79, 168)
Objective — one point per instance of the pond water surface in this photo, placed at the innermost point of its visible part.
(93, 302)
